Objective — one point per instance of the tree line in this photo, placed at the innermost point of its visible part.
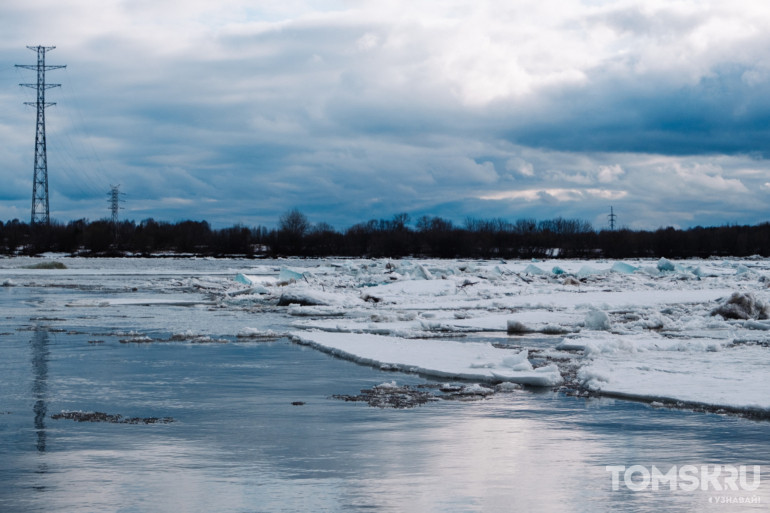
(428, 236)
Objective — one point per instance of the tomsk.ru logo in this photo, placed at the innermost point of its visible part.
(715, 478)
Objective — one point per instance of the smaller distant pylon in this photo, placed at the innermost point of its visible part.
(612, 217)
(114, 201)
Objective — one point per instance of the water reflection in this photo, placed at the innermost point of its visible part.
(39, 346)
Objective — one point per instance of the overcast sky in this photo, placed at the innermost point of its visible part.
(237, 110)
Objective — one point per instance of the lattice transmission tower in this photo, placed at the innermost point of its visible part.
(40, 209)
(115, 201)
(612, 217)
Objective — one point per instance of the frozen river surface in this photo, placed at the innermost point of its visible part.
(234, 373)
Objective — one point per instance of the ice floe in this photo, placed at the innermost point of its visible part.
(734, 379)
(437, 358)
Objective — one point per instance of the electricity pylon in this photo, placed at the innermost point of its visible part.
(115, 200)
(40, 210)
(612, 217)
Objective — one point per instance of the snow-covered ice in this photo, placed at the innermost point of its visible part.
(695, 372)
(437, 358)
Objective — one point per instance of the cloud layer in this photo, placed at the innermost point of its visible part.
(357, 110)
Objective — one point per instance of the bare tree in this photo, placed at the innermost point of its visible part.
(294, 224)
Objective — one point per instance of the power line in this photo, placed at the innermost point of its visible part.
(40, 207)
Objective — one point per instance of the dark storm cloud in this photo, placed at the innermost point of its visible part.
(724, 112)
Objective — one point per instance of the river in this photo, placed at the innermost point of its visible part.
(255, 426)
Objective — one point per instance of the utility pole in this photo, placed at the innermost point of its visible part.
(40, 210)
(114, 201)
(612, 217)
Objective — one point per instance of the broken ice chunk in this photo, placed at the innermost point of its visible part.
(597, 320)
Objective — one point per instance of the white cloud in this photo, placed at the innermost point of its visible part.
(609, 174)
(367, 42)
(695, 179)
(558, 195)
(520, 166)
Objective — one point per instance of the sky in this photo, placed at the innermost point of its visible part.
(236, 111)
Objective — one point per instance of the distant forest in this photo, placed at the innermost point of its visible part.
(428, 237)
